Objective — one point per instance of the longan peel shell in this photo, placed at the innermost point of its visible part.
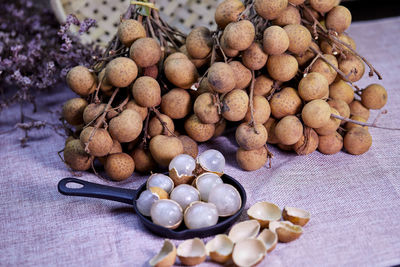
(72, 110)
(176, 103)
(251, 160)
(101, 142)
(270, 125)
(143, 160)
(139, 109)
(291, 15)
(242, 74)
(330, 144)
(316, 113)
(239, 35)
(228, 11)
(357, 141)
(146, 91)
(190, 146)
(299, 38)
(325, 69)
(145, 52)
(121, 71)
(206, 109)
(235, 105)
(181, 72)
(76, 157)
(353, 67)
(81, 80)
(157, 128)
(357, 108)
(374, 96)
(270, 10)
(282, 67)
(221, 77)
(249, 137)
(254, 57)
(263, 85)
(341, 90)
(289, 130)
(285, 102)
(261, 108)
(313, 86)
(331, 126)
(126, 127)
(119, 166)
(341, 106)
(275, 40)
(198, 131)
(322, 6)
(338, 19)
(199, 42)
(296, 216)
(165, 148)
(130, 30)
(307, 143)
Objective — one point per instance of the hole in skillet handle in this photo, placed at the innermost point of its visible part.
(182, 232)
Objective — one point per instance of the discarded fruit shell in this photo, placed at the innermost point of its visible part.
(269, 238)
(220, 248)
(244, 230)
(181, 169)
(210, 161)
(286, 230)
(264, 212)
(192, 252)
(248, 252)
(180, 179)
(166, 257)
(296, 216)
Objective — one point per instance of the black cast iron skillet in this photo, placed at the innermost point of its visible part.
(129, 196)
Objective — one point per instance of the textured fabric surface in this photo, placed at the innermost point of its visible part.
(354, 200)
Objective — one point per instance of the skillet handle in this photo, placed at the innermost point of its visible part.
(93, 190)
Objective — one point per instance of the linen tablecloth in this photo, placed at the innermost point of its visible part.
(354, 200)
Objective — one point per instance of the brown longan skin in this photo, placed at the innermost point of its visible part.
(221, 77)
(198, 62)
(119, 166)
(165, 148)
(147, 92)
(270, 125)
(307, 143)
(332, 125)
(350, 125)
(242, 74)
(357, 141)
(176, 103)
(285, 102)
(139, 109)
(228, 51)
(151, 71)
(341, 90)
(357, 108)
(181, 72)
(121, 71)
(326, 46)
(92, 111)
(76, 157)
(228, 11)
(322, 6)
(254, 57)
(351, 63)
(235, 105)
(263, 86)
(251, 160)
(313, 86)
(307, 56)
(129, 31)
(261, 110)
(190, 146)
(299, 38)
(116, 148)
(325, 69)
(145, 52)
(81, 80)
(198, 131)
(220, 128)
(330, 144)
(250, 138)
(316, 114)
(374, 96)
(239, 35)
(291, 15)
(289, 130)
(275, 40)
(101, 142)
(271, 9)
(72, 110)
(126, 127)
(156, 128)
(341, 106)
(105, 86)
(282, 67)
(206, 109)
(199, 42)
(144, 162)
(296, 2)
(176, 55)
(338, 19)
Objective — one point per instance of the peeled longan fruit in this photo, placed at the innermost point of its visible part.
(270, 125)
(221, 77)
(285, 102)
(251, 160)
(338, 19)
(145, 52)
(92, 111)
(81, 80)
(181, 72)
(331, 126)
(143, 160)
(190, 146)
(146, 92)
(121, 71)
(235, 105)
(308, 143)
(322, 6)
(254, 57)
(220, 128)
(313, 86)
(316, 114)
(271, 9)
(330, 144)
(165, 148)
(325, 69)
(126, 127)
(239, 35)
(228, 11)
(248, 139)
(350, 125)
(291, 15)
(156, 128)
(198, 131)
(206, 109)
(72, 110)
(242, 74)
(139, 109)
(76, 157)
(101, 142)
(176, 103)
(374, 96)
(275, 40)
(130, 30)
(357, 141)
(289, 130)
(299, 38)
(199, 42)
(307, 56)
(340, 106)
(341, 90)
(352, 66)
(261, 108)
(263, 85)
(228, 51)
(119, 166)
(282, 67)
(357, 108)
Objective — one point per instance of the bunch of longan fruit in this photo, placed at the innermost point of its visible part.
(281, 72)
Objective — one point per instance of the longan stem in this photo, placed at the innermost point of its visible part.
(146, 128)
(363, 123)
(251, 104)
(307, 70)
(163, 123)
(216, 38)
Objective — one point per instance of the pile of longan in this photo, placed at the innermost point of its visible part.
(281, 71)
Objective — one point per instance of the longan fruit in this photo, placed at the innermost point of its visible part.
(275, 40)
(206, 109)
(327, 48)
(220, 128)
(119, 166)
(270, 125)
(289, 130)
(156, 127)
(228, 51)
(341, 90)
(147, 92)
(105, 86)
(198, 62)
(282, 67)
(285, 102)
(239, 35)
(221, 77)
(287, 148)
(271, 9)
(176, 55)
(164, 148)
(357, 141)
(291, 15)
(338, 19)
(296, 2)
(254, 57)
(181, 72)
(325, 69)
(176, 103)
(81, 80)
(242, 74)
(121, 71)
(116, 148)
(261, 109)
(228, 11)
(198, 131)
(330, 144)
(307, 143)
(145, 52)
(357, 108)
(307, 56)
(314, 13)
(76, 157)
(316, 114)
(322, 6)
(69, 138)
(374, 96)
(139, 109)
(299, 38)
(250, 138)
(127, 126)
(101, 142)
(251, 160)
(352, 66)
(350, 125)
(204, 87)
(313, 86)
(263, 85)
(72, 110)
(92, 111)
(341, 106)
(151, 71)
(190, 146)
(235, 105)
(331, 126)
(199, 42)
(143, 160)
(129, 31)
